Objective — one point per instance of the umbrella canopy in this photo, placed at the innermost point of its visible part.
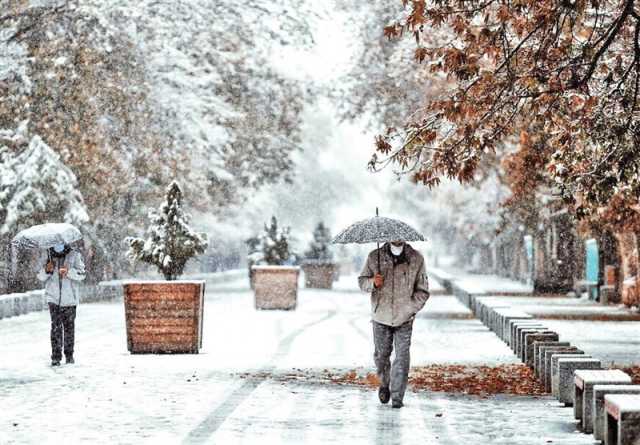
(45, 236)
(377, 230)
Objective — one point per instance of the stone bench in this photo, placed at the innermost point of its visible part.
(599, 391)
(503, 318)
(562, 372)
(584, 381)
(521, 336)
(517, 326)
(530, 342)
(513, 326)
(493, 318)
(622, 419)
(550, 364)
(538, 354)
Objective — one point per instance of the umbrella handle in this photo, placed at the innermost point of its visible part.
(379, 259)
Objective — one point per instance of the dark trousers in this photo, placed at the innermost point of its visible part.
(63, 327)
(386, 339)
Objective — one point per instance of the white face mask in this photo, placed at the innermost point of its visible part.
(59, 248)
(397, 250)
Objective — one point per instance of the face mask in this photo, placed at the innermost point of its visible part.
(397, 250)
(58, 248)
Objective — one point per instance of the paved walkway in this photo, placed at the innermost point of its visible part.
(110, 396)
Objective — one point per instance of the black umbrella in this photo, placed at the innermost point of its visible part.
(377, 230)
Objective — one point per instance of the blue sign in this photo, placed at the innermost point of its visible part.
(593, 265)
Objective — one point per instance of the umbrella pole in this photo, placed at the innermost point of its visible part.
(377, 214)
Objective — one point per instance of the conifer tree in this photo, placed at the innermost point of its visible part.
(319, 247)
(170, 242)
(275, 244)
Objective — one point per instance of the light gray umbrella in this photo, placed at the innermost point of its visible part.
(377, 230)
(45, 236)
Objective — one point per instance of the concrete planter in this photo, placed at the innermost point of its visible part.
(319, 275)
(276, 287)
(164, 316)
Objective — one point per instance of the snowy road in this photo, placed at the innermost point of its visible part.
(110, 396)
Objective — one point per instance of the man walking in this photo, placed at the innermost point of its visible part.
(396, 277)
(60, 271)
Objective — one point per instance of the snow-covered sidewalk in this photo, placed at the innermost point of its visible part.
(110, 396)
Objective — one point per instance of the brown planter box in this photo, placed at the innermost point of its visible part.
(319, 276)
(276, 287)
(164, 316)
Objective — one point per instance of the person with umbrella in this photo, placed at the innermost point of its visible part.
(60, 269)
(395, 275)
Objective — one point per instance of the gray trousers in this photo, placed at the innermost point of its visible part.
(386, 338)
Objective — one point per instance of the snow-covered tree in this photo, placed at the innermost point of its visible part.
(569, 71)
(275, 244)
(130, 94)
(35, 185)
(170, 242)
(319, 248)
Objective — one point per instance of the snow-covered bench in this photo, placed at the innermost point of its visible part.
(543, 350)
(521, 334)
(530, 342)
(505, 316)
(512, 326)
(538, 354)
(622, 420)
(599, 391)
(550, 364)
(584, 381)
(562, 375)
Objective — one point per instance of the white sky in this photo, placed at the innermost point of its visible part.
(332, 183)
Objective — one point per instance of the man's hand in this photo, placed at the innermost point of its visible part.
(63, 272)
(378, 281)
(48, 268)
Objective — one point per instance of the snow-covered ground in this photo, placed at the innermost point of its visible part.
(110, 396)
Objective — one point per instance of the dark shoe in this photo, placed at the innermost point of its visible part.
(55, 362)
(397, 404)
(70, 361)
(384, 394)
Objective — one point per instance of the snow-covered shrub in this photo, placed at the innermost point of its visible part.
(170, 242)
(35, 185)
(319, 249)
(274, 245)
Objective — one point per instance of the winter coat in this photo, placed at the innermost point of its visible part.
(405, 290)
(62, 292)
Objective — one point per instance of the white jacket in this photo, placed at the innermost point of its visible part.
(62, 292)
